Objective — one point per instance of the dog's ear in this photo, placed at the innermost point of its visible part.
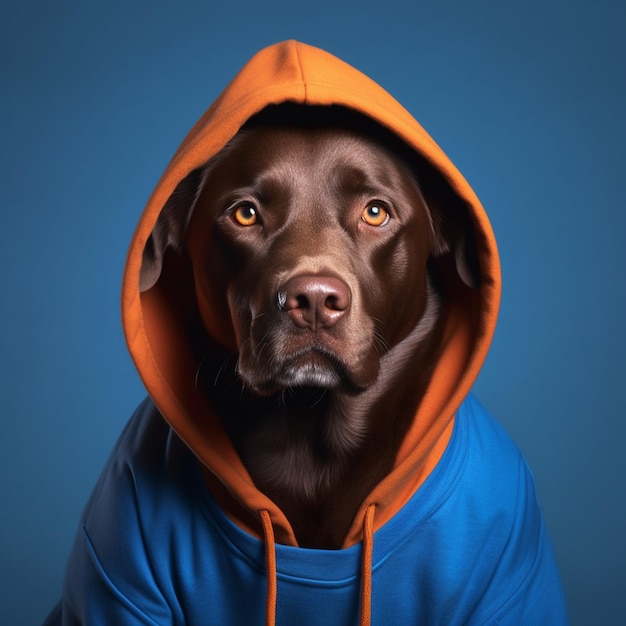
(454, 234)
(169, 230)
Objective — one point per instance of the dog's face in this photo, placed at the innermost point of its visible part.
(311, 248)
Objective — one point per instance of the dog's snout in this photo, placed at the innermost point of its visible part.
(314, 301)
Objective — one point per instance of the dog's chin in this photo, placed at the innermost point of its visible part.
(307, 374)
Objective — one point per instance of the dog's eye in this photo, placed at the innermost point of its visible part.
(375, 214)
(245, 215)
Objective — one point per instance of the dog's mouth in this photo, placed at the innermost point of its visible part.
(312, 368)
(308, 373)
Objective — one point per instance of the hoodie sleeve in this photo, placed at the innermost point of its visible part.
(92, 596)
(110, 578)
(515, 554)
(528, 590)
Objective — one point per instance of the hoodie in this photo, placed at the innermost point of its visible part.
(176, 532)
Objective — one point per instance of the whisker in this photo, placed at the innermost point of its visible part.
(379, 341)
(262, 345)
(198, 369)
(223, 367)
(320, 398)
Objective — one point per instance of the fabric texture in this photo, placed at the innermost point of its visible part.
(469, 547)
(176, 531)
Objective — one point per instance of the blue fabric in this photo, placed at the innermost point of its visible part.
(470, 547)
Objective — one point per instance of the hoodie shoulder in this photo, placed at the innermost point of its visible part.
(114, 554)
(497, 511)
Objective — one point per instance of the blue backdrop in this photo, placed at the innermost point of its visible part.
(527, 98)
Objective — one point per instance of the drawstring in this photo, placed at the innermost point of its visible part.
(366, 566)
(270, 563)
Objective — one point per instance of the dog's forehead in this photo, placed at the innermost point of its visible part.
(321, 149)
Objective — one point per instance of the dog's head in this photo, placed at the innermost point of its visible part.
(310, 247)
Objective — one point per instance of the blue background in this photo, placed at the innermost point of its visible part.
(527, 98)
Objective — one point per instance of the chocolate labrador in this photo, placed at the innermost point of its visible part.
(318, 242)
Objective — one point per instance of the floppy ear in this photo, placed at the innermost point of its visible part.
(454, 233)
(169, 230)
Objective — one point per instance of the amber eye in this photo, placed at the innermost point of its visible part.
(245, 215)
(375, 214)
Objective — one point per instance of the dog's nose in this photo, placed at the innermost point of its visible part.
(314, 301)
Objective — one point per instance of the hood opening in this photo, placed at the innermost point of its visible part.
(451, 212)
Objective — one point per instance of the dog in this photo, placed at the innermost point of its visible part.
(318, 242)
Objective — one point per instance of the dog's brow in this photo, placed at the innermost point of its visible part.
(375, 179)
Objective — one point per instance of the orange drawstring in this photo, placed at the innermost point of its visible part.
(270, 564)
(366, 566)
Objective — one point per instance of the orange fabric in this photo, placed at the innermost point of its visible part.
(292, 71)
(366, 566)
(270, 560)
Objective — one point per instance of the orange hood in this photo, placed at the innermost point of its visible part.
(292, 71)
